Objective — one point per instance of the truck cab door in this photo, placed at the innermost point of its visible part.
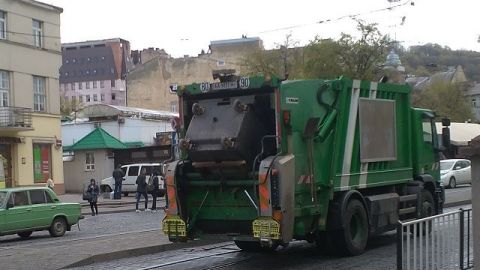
(426, 148)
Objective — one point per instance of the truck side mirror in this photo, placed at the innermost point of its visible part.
(446, 137)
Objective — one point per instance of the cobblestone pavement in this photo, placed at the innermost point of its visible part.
(92, 226)
(380, 254)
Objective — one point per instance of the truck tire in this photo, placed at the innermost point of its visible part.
(428, 204)
(353, 238)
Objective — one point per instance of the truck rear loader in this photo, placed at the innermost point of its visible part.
(328, 161)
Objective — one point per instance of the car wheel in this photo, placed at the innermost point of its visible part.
(58, 227)
(452, 183)
(25, 234)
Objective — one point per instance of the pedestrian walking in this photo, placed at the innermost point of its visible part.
(155, 189)
(142, 189)
(93, 190)
(50, 183)
(118, 176)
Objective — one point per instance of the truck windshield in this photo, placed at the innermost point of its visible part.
(445, 165)
(3, 196)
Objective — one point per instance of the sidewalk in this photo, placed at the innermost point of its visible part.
(107, 206)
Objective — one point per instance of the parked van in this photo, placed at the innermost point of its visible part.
(131, 172)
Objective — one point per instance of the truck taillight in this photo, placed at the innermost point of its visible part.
(286, 118)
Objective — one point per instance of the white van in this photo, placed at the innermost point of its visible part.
(131, 172)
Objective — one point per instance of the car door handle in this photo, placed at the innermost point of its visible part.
(53, 207)
(28, 209)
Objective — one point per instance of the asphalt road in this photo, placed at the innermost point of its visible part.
(379, 255)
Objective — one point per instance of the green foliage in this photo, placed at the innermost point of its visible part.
(434, 58)
(445, 99)
(67, 106)
(324, 58)
(360, 57)
(285, 61)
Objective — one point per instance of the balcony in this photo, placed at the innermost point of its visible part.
(15, 118)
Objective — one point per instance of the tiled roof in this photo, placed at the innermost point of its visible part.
(98, 139)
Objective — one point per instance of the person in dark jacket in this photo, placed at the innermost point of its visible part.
(156, 189)
(93, 190)
(142, 189)
(118, 176)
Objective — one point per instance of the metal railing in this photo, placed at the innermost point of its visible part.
(437, 242)
(15, 117)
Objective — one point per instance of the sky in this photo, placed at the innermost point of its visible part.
(185, 27)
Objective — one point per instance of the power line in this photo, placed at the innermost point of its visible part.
(339, 18)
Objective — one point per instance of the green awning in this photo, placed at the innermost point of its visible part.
(98, 139)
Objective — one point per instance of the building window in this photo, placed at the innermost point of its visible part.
(4, 88)
(113, 96)
(37, 33)
(80, 85)
(474, 102)
(3, 25)
(87, 85)
(94, 84)
(42, 167)
(74, 99)
(87, 98)
(80, 98)
(95, 97)
(39, 94)
(73, 86)
(89, 161)
(102, 97)
(173, 106)
(112, 83)
(102, 84)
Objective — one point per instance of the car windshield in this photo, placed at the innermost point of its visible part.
(3, 196)
(446, 165)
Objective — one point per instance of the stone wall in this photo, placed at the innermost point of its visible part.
(149, 83)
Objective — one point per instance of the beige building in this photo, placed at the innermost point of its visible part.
(148, 83)
(30, 133)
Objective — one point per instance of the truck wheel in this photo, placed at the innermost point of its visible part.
(428, 204)
(452, 183)
(353, 238)
(58, 227)
(427, 210)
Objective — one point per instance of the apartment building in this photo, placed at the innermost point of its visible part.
(93, 72)
(30, 56)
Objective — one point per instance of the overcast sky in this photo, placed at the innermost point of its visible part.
(185, 27)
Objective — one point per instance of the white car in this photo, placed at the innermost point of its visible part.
(455, 171)
(131, 172)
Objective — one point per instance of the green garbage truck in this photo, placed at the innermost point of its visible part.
(327, 161)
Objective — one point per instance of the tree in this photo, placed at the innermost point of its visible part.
(446, 99)
(361, 57)
(67, 106)
(283, 61)
(322, 59)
